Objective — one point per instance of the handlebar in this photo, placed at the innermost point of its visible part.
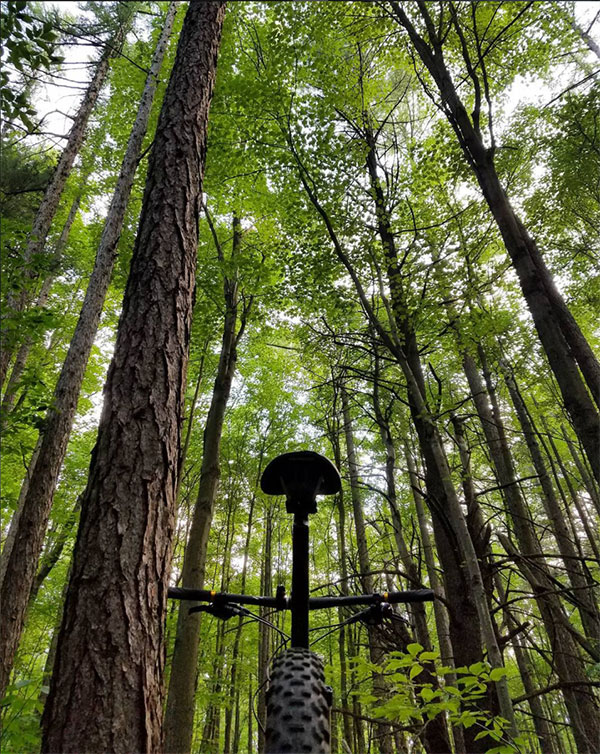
(281, 602)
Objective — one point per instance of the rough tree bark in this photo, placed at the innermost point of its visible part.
(22, 559)
(106, 692)
(179, 714)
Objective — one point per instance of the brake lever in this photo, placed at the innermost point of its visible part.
(221, 610)
(373, 615)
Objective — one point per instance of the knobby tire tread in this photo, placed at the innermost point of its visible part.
(298, 705)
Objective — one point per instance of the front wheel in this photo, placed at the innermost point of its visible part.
(298, 705)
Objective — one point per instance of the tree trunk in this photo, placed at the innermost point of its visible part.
(583, 589)
(264, 631)
(435, 735)
(455, 547)
(542, 729)
(47, 209)
(588, 483)
(376, 652)
(227, 749)
(33, 520)
(23, 352)
(106, 692)
(561, 338)
(567, 661)
(353, 734)
(469, 618)
(179, 713)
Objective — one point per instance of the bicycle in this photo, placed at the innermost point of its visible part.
(298, 700)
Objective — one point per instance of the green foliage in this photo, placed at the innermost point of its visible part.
(29, 44)
(415, 702)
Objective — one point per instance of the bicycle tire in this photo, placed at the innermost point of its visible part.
(298, 705)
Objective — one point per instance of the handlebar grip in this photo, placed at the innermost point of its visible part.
(414, 595)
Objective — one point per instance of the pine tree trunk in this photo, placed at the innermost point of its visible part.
(23, 558)
(566, 348)
(106, 692)
(179, 713)
(47, 209)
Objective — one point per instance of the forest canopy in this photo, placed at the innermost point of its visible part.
(236, 230)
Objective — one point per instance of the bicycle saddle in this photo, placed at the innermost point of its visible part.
(300, 476)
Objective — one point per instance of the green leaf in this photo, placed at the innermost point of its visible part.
(415, 670)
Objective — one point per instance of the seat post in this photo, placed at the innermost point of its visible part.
(300, 583)
(300, 476)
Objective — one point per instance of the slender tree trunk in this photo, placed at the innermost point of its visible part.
(375, 650)
(238, 636)
(440, 613)
(581, 704)
(554, 458)
(469, 618)
(47, 209)
(52, 556)
(435, 735)
(589, 41)
(588, 482)
(179, 713)
(582, 587)
(23, 557)
(455, 546)
(542, 729)
(353, 740)
(264, 631)
(567, 661)
(23, 352)
(112, 636)
(566, 348)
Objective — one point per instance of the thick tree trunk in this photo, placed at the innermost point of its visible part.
(23, 557)
(47, 209)
(566, 348)
(106, 692)
(179, 714)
